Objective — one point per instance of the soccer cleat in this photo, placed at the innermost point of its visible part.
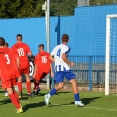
(37, 91)
(20, 95)
(33, 93)
(6, 94)
(30, 95)
(20, 110)
(47, 98)
(79, 103)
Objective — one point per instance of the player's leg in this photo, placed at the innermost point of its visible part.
(59, 78)
(71, 77)
(39, 77)
(12, 94)
(19, 84)
(28, 83)
(36, 87)
(0, 83)
(6, 93)
(14, 100)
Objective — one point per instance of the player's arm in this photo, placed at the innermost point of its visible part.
(29, 52)
(51, 58)
(18, 62)
(51, 71)
(35, 70)
(65, 59)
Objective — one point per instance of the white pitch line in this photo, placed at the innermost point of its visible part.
(97, 108)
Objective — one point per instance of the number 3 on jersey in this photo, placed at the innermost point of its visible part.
(21, 51)
(7, 59)
(59, 53)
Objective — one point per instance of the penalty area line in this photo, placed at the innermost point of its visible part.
(89, 107)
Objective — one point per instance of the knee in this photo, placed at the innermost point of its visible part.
(60, 86)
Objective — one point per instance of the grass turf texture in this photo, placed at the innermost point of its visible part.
(62, 105)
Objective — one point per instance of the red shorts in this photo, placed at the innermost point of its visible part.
(24, 71)
(8, 83)
(40, 76)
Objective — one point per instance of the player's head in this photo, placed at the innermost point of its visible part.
(19, 37)
(6, 44)
(2, 41)
(65, 38)
(41, 47)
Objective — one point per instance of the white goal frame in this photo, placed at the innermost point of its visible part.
(107, 56)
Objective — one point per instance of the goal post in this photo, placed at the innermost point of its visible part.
(108, 51)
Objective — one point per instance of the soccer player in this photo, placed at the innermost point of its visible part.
(59, 56)
(42, 67)
(9, 64)
(6, 45)
(23, 51)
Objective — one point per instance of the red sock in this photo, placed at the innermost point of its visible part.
(19, 84)
(16, 96)
(28, 87)
(14, 100)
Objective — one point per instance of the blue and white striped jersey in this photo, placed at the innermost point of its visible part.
(60, 65)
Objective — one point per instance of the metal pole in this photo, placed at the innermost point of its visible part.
(107, 55)
(48, 36)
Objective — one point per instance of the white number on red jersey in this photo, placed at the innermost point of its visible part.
(21, 51)
(44, 59)
(7, 59)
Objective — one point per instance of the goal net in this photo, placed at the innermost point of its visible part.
(111, 55)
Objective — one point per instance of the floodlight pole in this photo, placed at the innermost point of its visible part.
(48, 36)
(46, 8)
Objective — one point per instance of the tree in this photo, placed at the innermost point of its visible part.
(102, 2)
(8, 8)
(62, 7)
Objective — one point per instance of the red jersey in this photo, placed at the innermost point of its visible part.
(43, 62)
(8, 64)
(22, 50)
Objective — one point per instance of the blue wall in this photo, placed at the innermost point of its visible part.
(32, 29)
(91, 29)
(87, 29)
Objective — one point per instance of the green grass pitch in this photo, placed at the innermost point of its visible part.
(62, 105)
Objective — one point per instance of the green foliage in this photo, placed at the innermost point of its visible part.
(102, 2)
(33, 8)
(62, 7)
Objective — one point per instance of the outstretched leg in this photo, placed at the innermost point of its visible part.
(52, 92)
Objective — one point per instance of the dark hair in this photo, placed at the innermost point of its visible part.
(6, 44)
(19, 35)
(2, 41)
(41, 45)
(65, 38)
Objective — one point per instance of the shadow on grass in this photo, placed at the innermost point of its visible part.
(2, 91)
(33, 105)
(89, 100)
(84, 100)
(5, 101)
